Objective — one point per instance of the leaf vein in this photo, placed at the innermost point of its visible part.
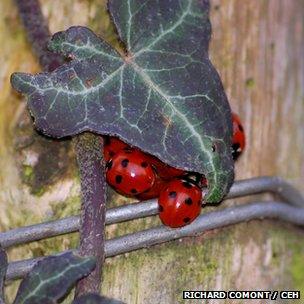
(167, 31)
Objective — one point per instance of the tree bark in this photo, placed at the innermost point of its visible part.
(257, 47)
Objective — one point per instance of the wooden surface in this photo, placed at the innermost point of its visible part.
(258, 48)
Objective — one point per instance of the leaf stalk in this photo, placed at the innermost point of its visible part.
(92, 221)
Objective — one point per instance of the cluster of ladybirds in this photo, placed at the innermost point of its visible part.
(134, 173)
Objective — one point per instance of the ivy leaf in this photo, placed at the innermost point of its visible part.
(95, 299)
(162, 95)
(52, 278)
(3, 268)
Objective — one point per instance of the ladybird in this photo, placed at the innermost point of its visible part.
(129, 173)
(163, 170)
(238, 139)
(154, 192)
(111, 146)
(179, 203)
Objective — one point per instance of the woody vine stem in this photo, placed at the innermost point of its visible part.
(88, 149)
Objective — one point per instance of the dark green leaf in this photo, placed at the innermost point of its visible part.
(3, 268)
(95, 299)
(163, 95)
(52, 278)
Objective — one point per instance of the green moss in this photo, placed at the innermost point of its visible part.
(39, 191)
(295, 262)
(196, 267)
(28, 177)
(168, 269)
(250, 83)
(285, 239)
(71, 206)
(278, 247)
(297, 267)
(27, 173)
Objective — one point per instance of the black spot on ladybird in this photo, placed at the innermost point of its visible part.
(109, 164)
(125, 162)
(187, 185)
(186, 220)
(144, 164)
(111, 153)
(188, 201)
(118, 179)
(160, 208)
(133, 191)
(172, 194)
(241, 128)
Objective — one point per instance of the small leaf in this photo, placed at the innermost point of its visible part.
(52, 278)
(163, 95)
(3, 268)
(95, 299)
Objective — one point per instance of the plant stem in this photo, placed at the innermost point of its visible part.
(92, 222)
(89, 149)
(38, 33)
(3, 269)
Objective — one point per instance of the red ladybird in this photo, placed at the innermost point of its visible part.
(129, 173)
(163, 170)
(179, 203)
(154, 192)
(111, 146)
(238, 140)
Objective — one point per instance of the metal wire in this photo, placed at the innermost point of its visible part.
(280, 210)
(211, 220)
(143, 209)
